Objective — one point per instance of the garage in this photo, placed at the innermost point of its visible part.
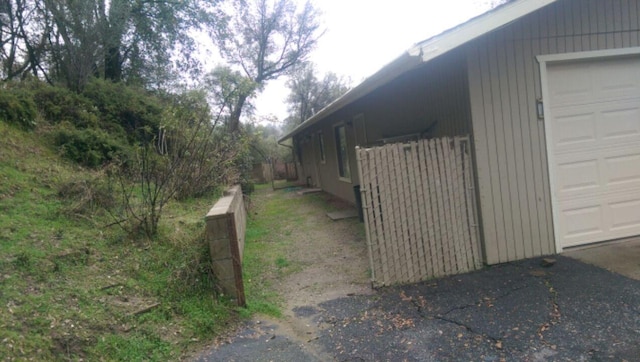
(592, 126)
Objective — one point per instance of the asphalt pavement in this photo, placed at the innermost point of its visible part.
(522, 311)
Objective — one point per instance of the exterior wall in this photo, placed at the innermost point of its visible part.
(408, 105)
(504, 81)
(434, 93)
(307, 171)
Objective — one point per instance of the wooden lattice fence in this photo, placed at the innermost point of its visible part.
(419, 211)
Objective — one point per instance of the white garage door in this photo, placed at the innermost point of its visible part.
(595, 148)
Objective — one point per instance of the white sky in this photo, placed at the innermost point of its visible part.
(364, 35)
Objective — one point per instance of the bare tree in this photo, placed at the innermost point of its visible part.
(187, 157)
(71, 40)
(24, 27)
(265, 39)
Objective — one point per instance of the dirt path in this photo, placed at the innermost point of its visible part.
(333, 256)
(328, 261)
(334, 263)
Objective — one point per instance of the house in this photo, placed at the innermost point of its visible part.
(549, 92)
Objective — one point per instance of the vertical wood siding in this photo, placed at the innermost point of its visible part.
(308, 169)
(504, 83)
(408, 105)
(437, 92)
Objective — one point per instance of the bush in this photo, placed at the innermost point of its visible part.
(248, 187)
(89, 147)
(125, 110)
(60, 105)
(18, 108)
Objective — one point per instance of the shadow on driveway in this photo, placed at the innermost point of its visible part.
(516, 311)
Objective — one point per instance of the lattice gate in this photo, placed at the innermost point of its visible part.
(419, 210)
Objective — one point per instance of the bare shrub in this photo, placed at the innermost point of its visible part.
(188, 157)
(86, 196)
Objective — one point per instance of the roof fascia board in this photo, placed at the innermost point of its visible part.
(477, 27)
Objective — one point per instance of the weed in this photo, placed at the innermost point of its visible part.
(139, 347)
(22, 260)
(282, 262)
(264, 307)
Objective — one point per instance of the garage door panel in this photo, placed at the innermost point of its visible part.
(624, 169)
(587, 221)
(582, 221)
(620, 121)
(625, 215)
(574, 88)
(595, 149)
(615, 164)
(587, 82)
(613, 122)
(571, 128)
(578, 176)
(616, 79)
(612, 171)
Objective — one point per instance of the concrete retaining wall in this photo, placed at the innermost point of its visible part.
(225, 232)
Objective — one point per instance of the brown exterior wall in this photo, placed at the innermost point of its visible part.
(408, 105)
(509, 140)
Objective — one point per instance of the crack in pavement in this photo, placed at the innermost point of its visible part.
(554, 314)
(497, 341)
(468, 328)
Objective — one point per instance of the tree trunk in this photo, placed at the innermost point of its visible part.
(112, 64)
(234, 117)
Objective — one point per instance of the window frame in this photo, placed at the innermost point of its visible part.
(339, 160)
(321, 148)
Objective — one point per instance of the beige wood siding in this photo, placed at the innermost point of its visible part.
(504, 83)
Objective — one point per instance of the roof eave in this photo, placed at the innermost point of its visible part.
(475, 28)
(426, 51)
(399, 66)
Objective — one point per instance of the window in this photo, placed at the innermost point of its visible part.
(342, 152)
(321, 147)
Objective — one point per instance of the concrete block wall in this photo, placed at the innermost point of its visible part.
(225, 232)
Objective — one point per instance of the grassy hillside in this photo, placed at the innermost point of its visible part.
(74, 286)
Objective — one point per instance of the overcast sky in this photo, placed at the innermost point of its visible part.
(364, 35)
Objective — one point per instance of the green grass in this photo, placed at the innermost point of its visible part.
(73, 288)
(268, 235)
(282, 262)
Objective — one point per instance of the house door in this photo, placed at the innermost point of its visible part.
(592, 126)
